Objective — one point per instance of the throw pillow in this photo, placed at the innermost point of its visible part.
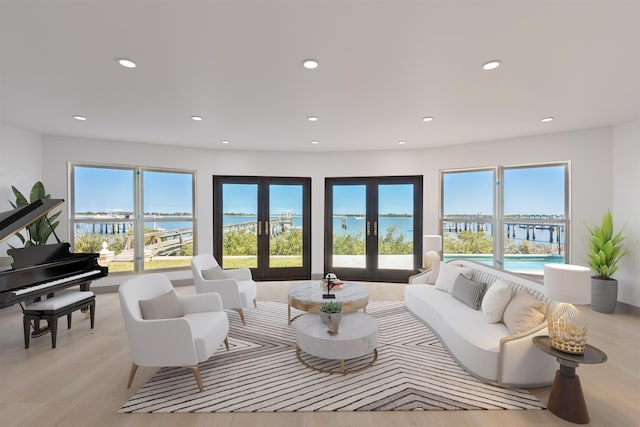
(448, 274)
(495, 301)
(215, 273)
(165, 306)
(524, 312)
(468, 291)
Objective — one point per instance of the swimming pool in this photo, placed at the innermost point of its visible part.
(518, 262)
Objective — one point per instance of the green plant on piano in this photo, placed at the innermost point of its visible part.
(38, 232)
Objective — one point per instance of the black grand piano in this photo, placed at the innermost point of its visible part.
(41, 270)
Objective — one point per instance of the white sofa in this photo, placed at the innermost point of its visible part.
(486, 350)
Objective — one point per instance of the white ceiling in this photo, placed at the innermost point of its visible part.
(383, 66)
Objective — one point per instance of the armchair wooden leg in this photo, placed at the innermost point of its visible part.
(254, 303)
(132, 374)
(241, 313)
(196, 373)
(226, 343)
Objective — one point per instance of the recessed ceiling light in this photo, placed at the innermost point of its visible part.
(402, 142)
(224, 141)
(315, 142)
(127, 63)
(81, 118)
(547, 119)
(196, 118)
(312, 118)
(427, 119)
(491, 65)
(310, 64)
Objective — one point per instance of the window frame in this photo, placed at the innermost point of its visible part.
(138, 213)
(498, 220)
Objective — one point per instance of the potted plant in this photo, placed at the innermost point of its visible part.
(331, 313)
(38, 231)
(605, 250)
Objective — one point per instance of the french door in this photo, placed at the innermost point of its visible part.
(263, 223)
(373, 227)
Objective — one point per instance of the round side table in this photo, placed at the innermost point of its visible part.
(357, 336)
(566, 399)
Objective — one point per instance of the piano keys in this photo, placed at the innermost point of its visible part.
(41, 270)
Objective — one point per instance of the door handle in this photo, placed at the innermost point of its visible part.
(259, 228)
(375, 228)
(368, 228)
(266, 228)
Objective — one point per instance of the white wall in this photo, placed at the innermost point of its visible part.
(20, 166)
(626, 207)
(587, 150)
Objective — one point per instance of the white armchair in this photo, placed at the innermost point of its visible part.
(176, 341)
(235, 286)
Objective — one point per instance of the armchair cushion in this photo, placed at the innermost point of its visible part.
(165, 306)
(215, 273)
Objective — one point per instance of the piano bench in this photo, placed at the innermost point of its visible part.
(51, 308)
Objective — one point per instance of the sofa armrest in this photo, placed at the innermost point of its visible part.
(420, 278)
(521, 362)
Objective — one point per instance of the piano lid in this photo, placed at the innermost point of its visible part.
(15, 220)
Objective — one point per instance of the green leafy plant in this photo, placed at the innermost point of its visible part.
(605, 248)
(331, 307)
(38, 232)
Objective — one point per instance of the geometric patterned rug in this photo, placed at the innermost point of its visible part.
(261, 373)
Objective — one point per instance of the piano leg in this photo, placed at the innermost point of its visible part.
(53, 327)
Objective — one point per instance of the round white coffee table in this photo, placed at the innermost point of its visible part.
(307, 296)
(357, 336)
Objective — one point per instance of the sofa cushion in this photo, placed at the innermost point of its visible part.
(524, 312)
(215, 273)
(468, 291)
(166, 306)
(495, 301)
(448, 274)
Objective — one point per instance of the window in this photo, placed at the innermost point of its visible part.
(468, 217)
(517, 221)
(136, 218)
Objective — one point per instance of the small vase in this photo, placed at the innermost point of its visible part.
(333, 320)
(324, 317)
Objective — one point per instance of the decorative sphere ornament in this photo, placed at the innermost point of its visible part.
(331, 276)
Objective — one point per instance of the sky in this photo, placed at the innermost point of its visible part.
(105, 190)
(536, 190)
(243, 198)
(348, 199)
(392, 198)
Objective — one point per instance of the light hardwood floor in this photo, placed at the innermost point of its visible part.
(83, 381)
